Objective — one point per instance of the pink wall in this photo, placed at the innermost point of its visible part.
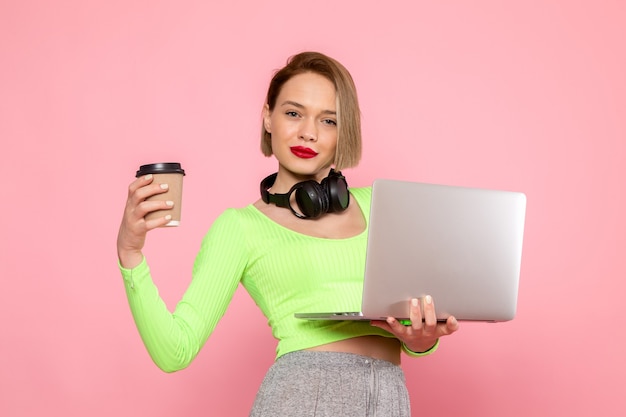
(529, 96)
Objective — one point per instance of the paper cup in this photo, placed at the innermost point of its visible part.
(169, 173)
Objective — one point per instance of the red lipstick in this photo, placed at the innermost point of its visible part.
(303, 152)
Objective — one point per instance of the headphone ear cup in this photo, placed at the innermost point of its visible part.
(311, 199)
(336, 189)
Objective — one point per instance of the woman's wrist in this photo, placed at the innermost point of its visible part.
(418, 353)
(129, 259)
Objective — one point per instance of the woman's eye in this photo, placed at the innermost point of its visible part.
(330, 122)
(292, 114)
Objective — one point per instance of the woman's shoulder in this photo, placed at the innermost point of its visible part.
(234, 224)
(238, 214)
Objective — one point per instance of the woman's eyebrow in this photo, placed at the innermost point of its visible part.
(292, 103)
(300, 106)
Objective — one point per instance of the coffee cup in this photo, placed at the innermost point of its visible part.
(169, 173)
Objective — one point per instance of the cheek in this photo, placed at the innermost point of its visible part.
(331, 143)
(278, 127)
(330, 149)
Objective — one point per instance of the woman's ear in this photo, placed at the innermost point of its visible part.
(267, 121)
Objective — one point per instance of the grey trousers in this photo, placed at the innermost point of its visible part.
(316, 384)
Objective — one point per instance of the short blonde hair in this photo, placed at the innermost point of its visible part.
(348, 152)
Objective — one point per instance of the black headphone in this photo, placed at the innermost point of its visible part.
(313, 198)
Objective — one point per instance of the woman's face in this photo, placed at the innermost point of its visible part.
(303, 125)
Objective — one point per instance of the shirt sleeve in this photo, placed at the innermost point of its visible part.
(173, 339)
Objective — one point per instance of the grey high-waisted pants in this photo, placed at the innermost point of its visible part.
(315, 384)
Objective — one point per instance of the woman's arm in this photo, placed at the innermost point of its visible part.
(173, 339)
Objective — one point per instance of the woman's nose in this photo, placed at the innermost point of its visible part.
(308, 131)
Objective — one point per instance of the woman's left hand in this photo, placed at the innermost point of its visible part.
(424, 330)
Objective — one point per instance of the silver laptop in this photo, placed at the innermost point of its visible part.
(462, 246)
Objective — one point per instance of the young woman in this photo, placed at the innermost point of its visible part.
(300, 247)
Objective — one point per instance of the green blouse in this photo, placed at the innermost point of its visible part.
(283, 271)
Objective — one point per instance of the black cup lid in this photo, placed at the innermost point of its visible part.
(160, 168)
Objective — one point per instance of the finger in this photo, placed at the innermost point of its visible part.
(142, 188)
(149, 206)
(158, 222)
(139, 182)
(430, 317)
(395, 326)
(148, 191)
(452, 325)
(132, 232)
(386, 326)
(415, 312)
(138, 204)
(382, 325)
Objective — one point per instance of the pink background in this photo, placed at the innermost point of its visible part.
(521, 95)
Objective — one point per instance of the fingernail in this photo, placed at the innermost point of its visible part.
(169, 203)
(148, 177)
(168, 217)
(390, 320)
(414, 302)
(164, 186)
(429, 299)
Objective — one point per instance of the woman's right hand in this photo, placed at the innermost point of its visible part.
(132, 233)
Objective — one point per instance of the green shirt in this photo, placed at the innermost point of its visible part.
(283, 271)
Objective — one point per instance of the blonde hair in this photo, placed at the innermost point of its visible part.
(348, 152)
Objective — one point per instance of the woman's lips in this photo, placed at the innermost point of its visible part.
(302, 152)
